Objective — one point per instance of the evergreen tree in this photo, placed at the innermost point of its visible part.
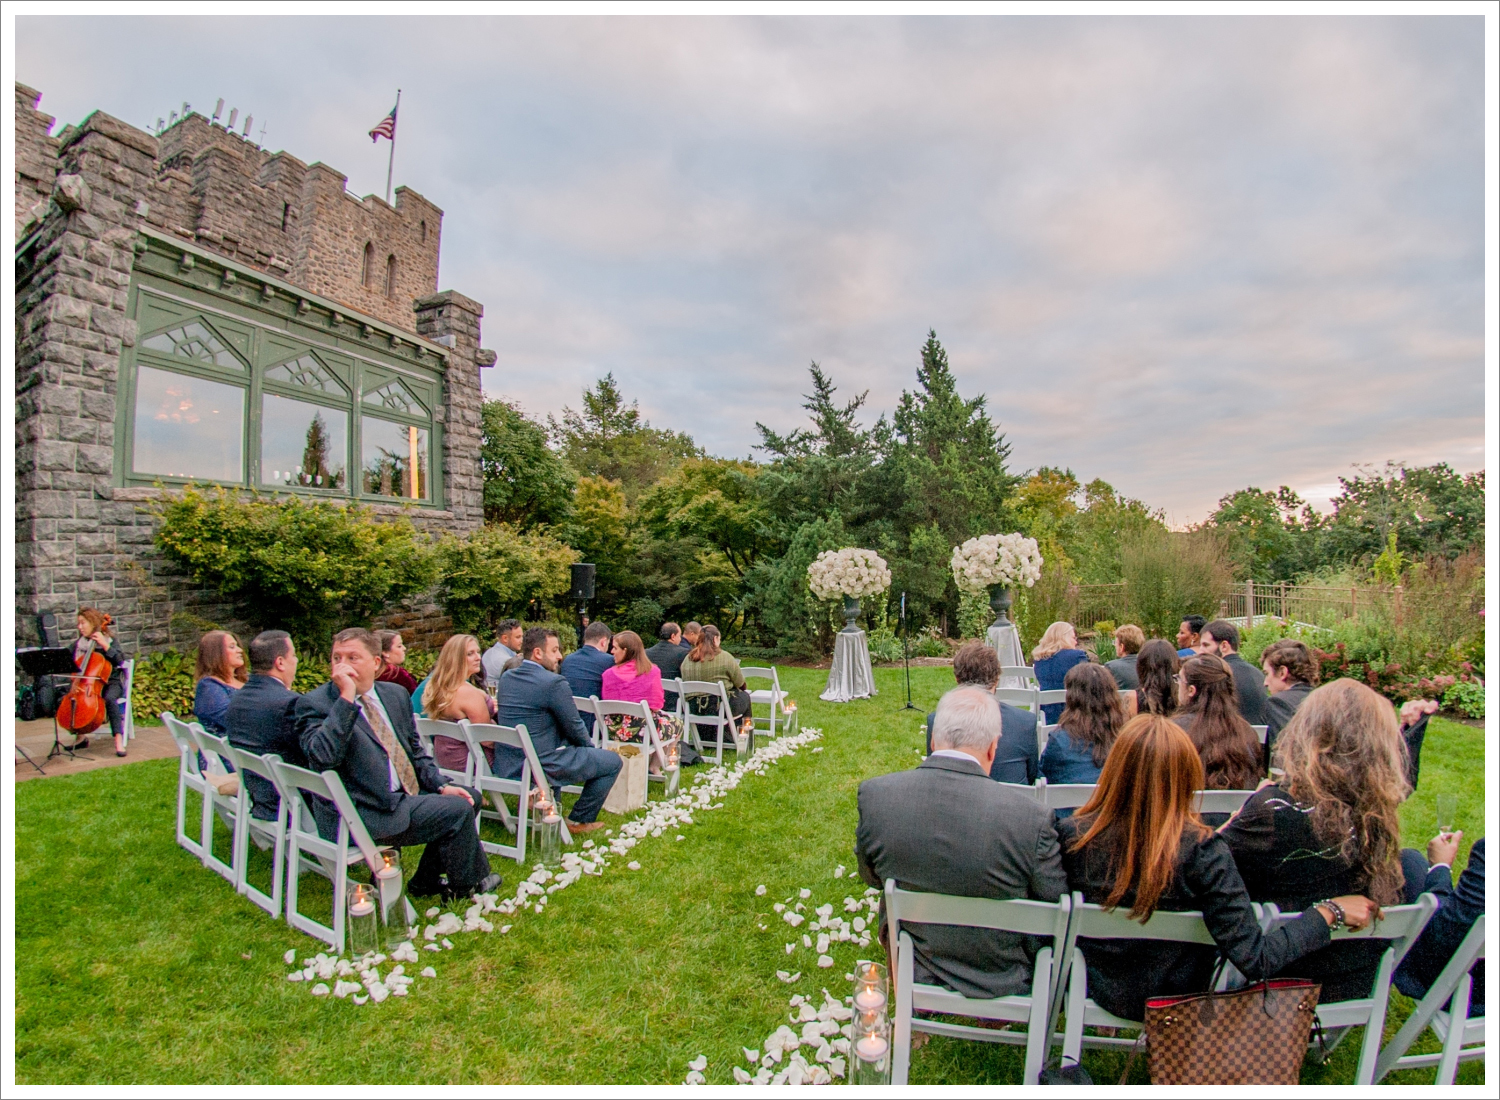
(611, 439)
(315, 470)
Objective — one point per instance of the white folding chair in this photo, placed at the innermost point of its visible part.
(266, 834)
(1220, 802)
(1066, 796)
(429, 728)
(1025, 673)
(585, 705)
(1049, 698)
(1035, 918)
(1092, 921)
(1036, 792)
(488, 783)
(651, 739)
(1043, 733)
(1260, 733)
(189, 778)
(770, 697)
(329, 858)
(1444, 1008)
(1399, 926)
(1025, 698)
(721, 721)
(225, 802)
(127, 726)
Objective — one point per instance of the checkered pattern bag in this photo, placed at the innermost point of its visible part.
(1252, 1036)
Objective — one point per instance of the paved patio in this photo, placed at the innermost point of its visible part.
(149, 743)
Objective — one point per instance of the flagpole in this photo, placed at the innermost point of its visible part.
(390, 168)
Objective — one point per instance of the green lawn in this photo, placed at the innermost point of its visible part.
(134, 964)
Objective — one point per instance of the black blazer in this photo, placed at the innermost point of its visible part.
(1458, 910)
(541, 701)
(259, 720)
(1016, 757)
(1279, 710)
(1124, 973)
(1249, 689)
(584, 670)
(668, 658)
(944, 827)
(335, 737)
(1124, 672)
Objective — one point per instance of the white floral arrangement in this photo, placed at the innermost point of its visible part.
(848, 572)
(987, 560)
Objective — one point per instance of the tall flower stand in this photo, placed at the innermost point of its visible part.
(1003, 637)
(850, 676)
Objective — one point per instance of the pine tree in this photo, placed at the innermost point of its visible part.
(315, 454)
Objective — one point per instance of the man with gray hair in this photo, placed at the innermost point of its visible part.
(945, 827)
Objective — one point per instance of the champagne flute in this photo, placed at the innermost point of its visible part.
(1447, 813)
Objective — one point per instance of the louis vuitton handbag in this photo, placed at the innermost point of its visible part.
(1252, 1036)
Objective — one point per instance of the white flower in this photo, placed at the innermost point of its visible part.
(320, 990)
(699, 1063)
(848, 572)
(988, 560)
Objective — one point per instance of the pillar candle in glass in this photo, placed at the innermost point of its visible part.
(395, 922)
(673, 770)
(870, 1053)
(546, 830)
(362, 933)
(869, 987)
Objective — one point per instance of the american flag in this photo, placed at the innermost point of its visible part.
(386, 128)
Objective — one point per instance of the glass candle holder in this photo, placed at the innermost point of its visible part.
(395, 921)
(673, 771)
(546, 831)
(362, 931)
(870, 1053)
(870, 991)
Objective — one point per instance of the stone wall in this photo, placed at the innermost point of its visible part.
(36, 155)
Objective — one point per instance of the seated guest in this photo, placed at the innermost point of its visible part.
(1458, 909)
(1092, 718)
(1138, 843)
(1226, 743)
(506, 646)
(708, 663)
(584, 668)
(1331, 824)
(1057, 652)
(1188, 632)
(1128, 642)
(392, 657)
(1157, 666)
(259, 718)
(977, 664)
(220, 673)
(691, 633)
(969, 836)
(535, 696)
(1291, 672)
(1223, 640)
(449, 696)
(667, 655)
(634, 679)
(364, 731)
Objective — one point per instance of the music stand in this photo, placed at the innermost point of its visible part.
(51, 661)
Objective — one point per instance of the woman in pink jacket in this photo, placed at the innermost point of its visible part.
(635, 679)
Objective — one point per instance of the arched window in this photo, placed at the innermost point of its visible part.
(390, 276)
(367, 272)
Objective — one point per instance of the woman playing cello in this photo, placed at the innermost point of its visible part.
(94, 638)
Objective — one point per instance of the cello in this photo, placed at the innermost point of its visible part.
(82, 709)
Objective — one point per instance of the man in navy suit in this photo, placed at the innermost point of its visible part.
(259, 718)
(535, 696)
(364, 731)
(1016, 757)
(1458, 909)
(585, 667)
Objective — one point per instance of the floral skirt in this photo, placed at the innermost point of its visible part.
(625, 727)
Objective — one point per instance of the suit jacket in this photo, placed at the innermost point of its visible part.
(584, 670)
(1123, 670)
(1280, 708)
(1249, 688)
(668, 658)
(336, 737)
(1458, 910)
(541, 701)
(259, 720)
(1016, 757)
(944, 827)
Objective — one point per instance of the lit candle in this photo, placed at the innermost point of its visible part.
(869, 999)
(871, 1048)
(362, 908)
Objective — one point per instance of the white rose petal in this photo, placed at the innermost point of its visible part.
(634, 865)
(699, 1063)
(290, 957)
(825, 961)
(428, 972)
(320, 990)
(760, 891)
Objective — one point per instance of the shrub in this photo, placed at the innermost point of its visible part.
(307, 567)
(1169, 574)
(1466, 698)
(498, 572)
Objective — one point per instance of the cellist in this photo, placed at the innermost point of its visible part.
(93, 626)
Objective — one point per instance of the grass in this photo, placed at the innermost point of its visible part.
(135, 965)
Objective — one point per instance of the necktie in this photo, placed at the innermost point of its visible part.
(404, 771)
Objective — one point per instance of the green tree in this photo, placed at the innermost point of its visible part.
(526, 484)
(610, 439)
(1431, 510)
(713, 501)
(1271, 536)
(602, 532)
(498, 572)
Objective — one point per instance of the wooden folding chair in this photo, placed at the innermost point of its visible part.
(1035, 918)
(1025, 698)
(1037, 791)
(1067, 796)
(222, 793)
(652, 742)
(1025, 673)
(585, 705)
(1220, 802)
(721, 721)
(1444, 1008)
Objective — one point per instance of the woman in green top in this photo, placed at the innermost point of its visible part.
(707, 662)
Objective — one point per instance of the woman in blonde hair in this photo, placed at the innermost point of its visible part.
(1054, 655)
(1329, 826)
(448, 696)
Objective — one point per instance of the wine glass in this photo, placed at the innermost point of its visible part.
(1447, 813)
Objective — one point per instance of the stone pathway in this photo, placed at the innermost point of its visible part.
(149, 743)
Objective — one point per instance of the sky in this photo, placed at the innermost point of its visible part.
(1184, 255)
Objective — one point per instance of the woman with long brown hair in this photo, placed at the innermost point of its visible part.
(1156, 668)
(1211, 716)
(220, 671)
(634, 679)
(448, 695)
(1138, 843)
(1330, 824)
(1091, 719)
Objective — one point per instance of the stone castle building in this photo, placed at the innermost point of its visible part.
(191, 308)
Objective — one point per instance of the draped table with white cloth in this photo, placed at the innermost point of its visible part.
(850, 675)
(1005, 641)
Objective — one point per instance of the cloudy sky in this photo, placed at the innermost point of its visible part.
(1182, 254)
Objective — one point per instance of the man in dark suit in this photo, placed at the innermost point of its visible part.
(1458, 909)
(1223, 639)
(364, 731)
(1128, 642)
(259, 718)
(667, 655)
(584, 668)
(1016, 757)
(535, 696)
(945, 828)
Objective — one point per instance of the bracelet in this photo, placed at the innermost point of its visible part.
(1338, 914)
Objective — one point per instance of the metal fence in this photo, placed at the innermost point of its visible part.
(1316, 604)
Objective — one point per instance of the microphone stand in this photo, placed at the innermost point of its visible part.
(906, 653)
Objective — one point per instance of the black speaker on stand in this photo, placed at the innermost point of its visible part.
(581, 593)
(906, 654)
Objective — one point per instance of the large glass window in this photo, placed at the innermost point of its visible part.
(188, 427)
(302, 444)
(395, 459)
